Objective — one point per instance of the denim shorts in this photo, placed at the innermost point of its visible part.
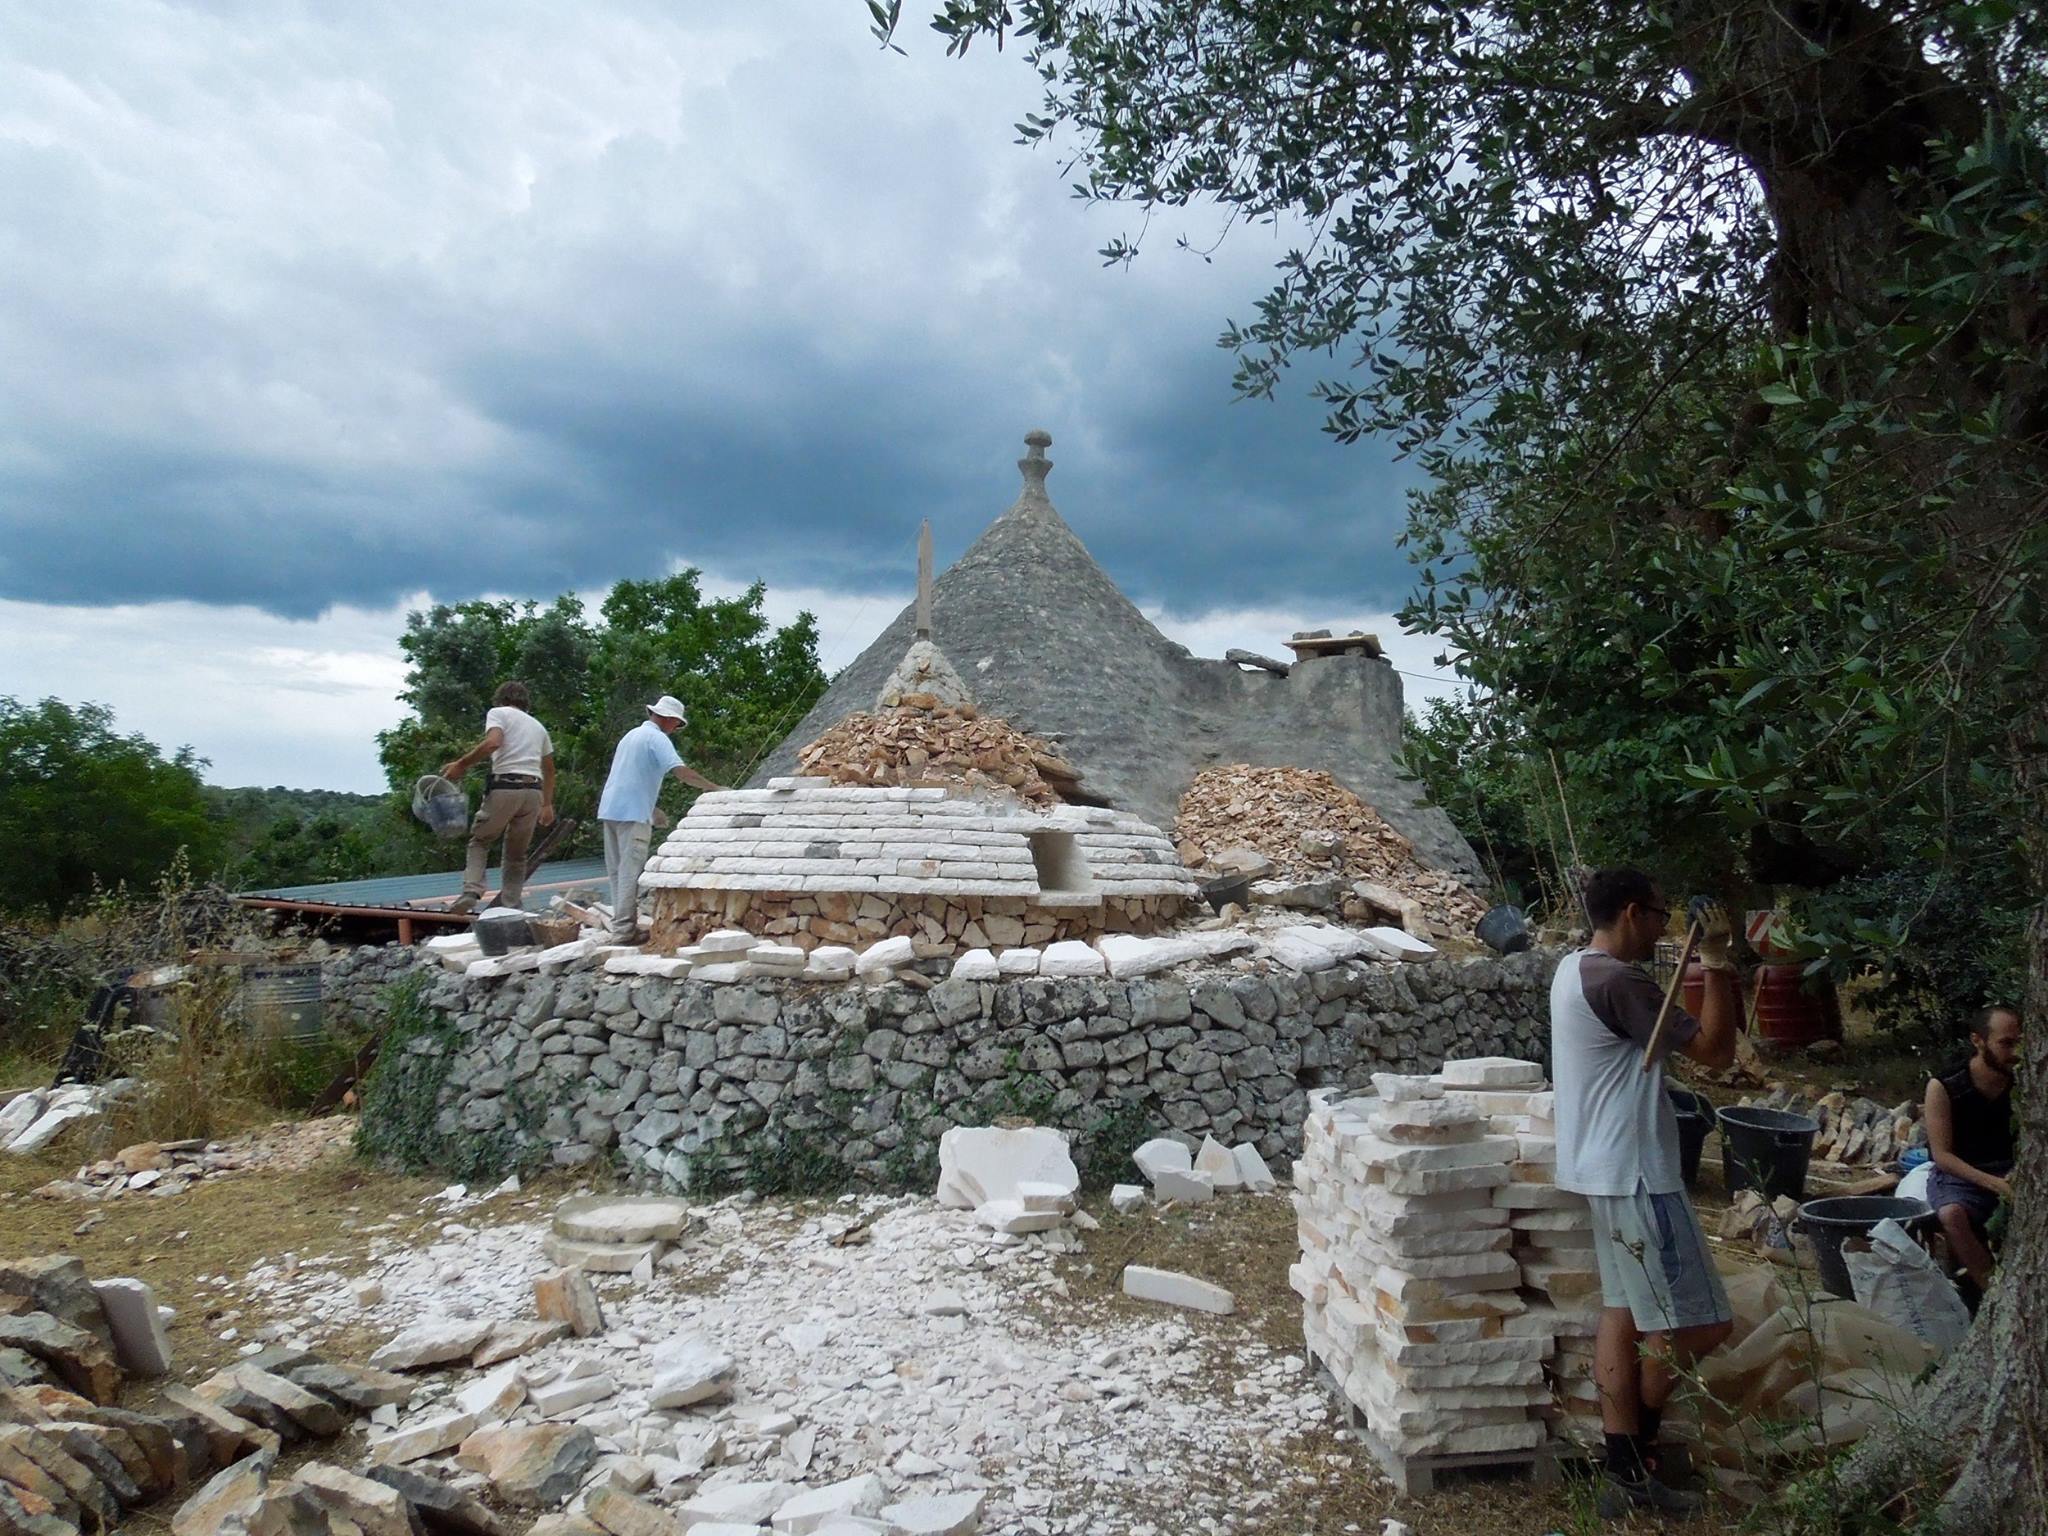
(1654, 1261)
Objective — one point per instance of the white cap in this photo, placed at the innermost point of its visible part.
(669, 707)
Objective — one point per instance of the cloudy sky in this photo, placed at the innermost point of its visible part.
(312, 314)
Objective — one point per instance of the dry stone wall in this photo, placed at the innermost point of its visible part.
(681, 1080)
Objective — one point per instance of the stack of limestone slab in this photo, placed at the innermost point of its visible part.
(1446, 1280)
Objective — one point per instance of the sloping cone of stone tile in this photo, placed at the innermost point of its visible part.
(1053, 647)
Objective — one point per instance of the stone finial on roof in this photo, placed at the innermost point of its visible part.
(1035, 466)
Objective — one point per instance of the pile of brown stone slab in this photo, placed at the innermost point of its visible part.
(1309, 827)
(922, 744)
(73, 1459)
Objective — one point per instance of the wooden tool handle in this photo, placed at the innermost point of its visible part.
(1692, 943)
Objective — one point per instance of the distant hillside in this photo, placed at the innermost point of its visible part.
(280, 836)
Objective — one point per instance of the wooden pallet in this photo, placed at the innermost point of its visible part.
(1416, 1476)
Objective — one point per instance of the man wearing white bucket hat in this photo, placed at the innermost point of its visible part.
(644, 757)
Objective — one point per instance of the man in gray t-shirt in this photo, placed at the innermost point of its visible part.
(1663, 1305)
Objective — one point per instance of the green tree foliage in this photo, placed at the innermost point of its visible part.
(743, 680)
(281, 836)
(83, 807)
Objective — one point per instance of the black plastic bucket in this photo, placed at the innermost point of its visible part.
(1695, 1119)
(1504, 930)
(1225, 890)
(1766, 1150)
(500, 935)
(1832, 1221)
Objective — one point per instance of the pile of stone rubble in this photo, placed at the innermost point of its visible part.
(1449, 1287)
(924, 744)
(30, 1121)
(71, 1460)
(1853, 1130)
(160, 1168)
(1309, 828)
(887, 1366)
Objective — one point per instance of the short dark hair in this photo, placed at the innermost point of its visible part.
(513, 693)
(1609, 893)
(1981, 1024)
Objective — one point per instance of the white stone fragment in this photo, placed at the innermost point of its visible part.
(492, 1397)
(803, 1513)
(1404, 1088)
(1011, 1216)
(943, 1514)
(1170, 1286)
(1160, 1154)
(727, 941)
(690, 1371)
(886, 955)
(831, 962)
(1070, 957)
(721, 972)
(1393, 944)
(1021, 961)
(1252, 1171)
(1188, 1188)
(141, 1346)
(422, 1437)
(978, 1164)
(1492, 1072)
(562, 1396)
(1129, 954)
(738, 1503)
(1127, 1198)
(976, 965)
(1298, 953)
(1217, 1161)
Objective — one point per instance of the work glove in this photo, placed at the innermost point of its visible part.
(1717, 935)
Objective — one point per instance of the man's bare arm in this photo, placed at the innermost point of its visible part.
(1939, 1114)
(1720, 1022)
(683, 773)
(492, 740)
(547, 789)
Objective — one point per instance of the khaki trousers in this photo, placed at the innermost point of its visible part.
(625, 855)
(511, 814)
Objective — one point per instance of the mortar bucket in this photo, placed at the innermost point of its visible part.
(1504, 930)
(1695, 1119)
(1766, 1150)
(1832, 1221)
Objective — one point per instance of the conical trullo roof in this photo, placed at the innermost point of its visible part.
(1043, 638)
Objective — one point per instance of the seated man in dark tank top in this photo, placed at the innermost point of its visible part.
(1970, 1137)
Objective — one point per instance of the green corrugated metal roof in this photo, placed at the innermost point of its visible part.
(400, 891)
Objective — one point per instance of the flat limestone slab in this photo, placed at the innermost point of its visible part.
(599, 1258)
(622, 1219)
(1144, 1283)
(1492, 1072)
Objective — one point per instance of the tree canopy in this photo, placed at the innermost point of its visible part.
(743, 680)
(84, 808)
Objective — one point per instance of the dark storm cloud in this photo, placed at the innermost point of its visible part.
(311, 311)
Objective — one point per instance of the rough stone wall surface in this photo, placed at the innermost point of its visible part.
(1046, 640)
(941, 923)
(678, 1079)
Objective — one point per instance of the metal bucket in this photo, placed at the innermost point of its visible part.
(1504, 930)
(282, 1001)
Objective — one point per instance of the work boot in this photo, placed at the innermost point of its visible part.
(1672, 1465)
(464, 903)
(1622, 1496)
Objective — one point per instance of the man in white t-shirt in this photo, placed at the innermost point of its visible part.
(1663, 1304)
(518, 796)
(644, 757)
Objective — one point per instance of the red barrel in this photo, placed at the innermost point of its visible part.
(1790, 1012)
